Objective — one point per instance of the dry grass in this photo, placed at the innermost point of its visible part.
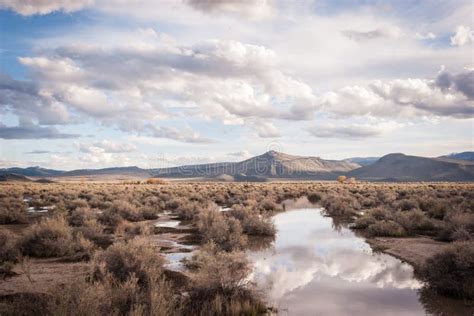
(103, 221)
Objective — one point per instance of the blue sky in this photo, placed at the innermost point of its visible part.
(95, 83)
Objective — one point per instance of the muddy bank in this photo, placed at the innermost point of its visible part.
(413, 250)
(40, 275)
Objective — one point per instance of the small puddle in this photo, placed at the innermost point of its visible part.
(224, 209)
(314, 269)
(174, 260)
(41, 209)
(168, 224)
(173, 250)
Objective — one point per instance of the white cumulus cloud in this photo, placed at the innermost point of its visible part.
(463, 36)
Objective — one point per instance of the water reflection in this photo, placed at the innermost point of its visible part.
(168, 223)
(312, 269)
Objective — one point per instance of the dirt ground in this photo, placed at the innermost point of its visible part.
(414, 250)
(43, 275)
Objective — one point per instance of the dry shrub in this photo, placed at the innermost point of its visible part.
(379, 214)
(336, 204)
(130, 230)
(225, 232)
(111, 297)
(123, 260)
(406, 205)
(52, 237)
(269, 205)
(451, 272)
(110, 218)
(364, 221)
(414, 221)
(9, 252)
(12, 211)
(434, 208)
(462, 220)
(77, 298)
(130, 274)
(13, 216)
(126, 210)
(155, 181)
(314, 197)
(386, 196)
(148, 212)
(371, 217)
(188, 210)
(386, 229)
(252, 222)
(79, 216)
(173, 204)
(457, 225)
(24, 304)
(94, 231)
(220, 284)
(77, 203)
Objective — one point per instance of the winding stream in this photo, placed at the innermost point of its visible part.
(314, 269)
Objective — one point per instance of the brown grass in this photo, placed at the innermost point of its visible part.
(104, 220)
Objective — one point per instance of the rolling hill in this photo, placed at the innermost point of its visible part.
(271, 164)
(400, 167)
(277, 165)
(467, 155)
(135, 171)
(32, 172)
(363, 161)
(13, 177)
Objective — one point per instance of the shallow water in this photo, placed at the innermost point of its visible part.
(174, 260)
(314, 269)
(168, 223)
(41, 209)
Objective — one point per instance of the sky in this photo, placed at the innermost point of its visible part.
(102, 83)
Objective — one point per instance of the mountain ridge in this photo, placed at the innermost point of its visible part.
(401, 167)
(270, 164)
(273, 164)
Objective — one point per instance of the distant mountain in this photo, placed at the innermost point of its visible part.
(277, 165)
(400, 167)
(32, 172)
(48, 173)
(135, 171)
(363, 161)
(467, 155)
(13, 177)
(272, 164)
